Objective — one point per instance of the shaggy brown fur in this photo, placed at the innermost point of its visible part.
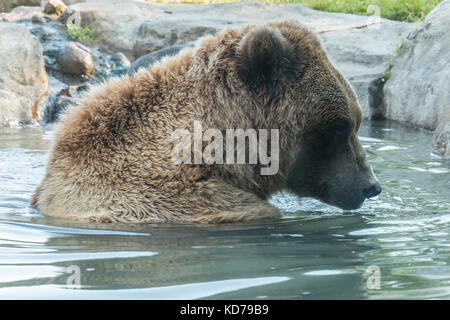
(111, 158)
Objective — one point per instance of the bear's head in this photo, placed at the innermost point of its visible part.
(278, 76)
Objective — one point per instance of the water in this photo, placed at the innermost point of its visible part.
(314, 252)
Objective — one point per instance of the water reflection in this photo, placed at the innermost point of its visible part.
(177, 292)
(167, 257)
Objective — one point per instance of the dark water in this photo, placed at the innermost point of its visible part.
(314, 252)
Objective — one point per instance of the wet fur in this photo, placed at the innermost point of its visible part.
(110, 161)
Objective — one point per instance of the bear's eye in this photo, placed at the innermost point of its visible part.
(341, 128)
(332, 135)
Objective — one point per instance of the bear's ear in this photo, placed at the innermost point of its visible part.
(264, 53)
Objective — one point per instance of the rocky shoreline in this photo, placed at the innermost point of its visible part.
(400, 71)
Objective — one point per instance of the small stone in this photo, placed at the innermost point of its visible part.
(38, 18)
(23, 79)
(150, 58)
(76, 59)
(53, 6)
(67, 16)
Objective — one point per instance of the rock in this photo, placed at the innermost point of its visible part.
(441, 137)
(359, 47)
(54, 39)
(362, 55)
(418, 91)
(21, 13)
(23, 79)
(76, 59)
(53, 6)
(70, 2)
(65, 16)
(146, 60)
(38, 18)
(375, 99)
(69, 16)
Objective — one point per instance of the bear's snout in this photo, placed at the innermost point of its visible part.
(353, 201)
(349, 189)
(373, 190)
(339, 175)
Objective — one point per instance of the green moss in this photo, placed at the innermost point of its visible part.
(87, 34)
(399, 46)
(387, 74)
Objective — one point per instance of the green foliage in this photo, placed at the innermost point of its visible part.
(19, 3)
(88, 34)
(387, 73)
(401, 10)
(398, 47)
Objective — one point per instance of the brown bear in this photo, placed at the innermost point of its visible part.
(111, 160)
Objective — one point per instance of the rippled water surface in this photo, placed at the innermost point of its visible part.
(314, 251)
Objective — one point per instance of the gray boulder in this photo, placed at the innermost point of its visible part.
(38, 18)
(441, 137)
(362, 54)
(23, 79)
(360, 46)
(147, 60)
(76, 59)
(56, 7)
(418, 91)
(20, 13)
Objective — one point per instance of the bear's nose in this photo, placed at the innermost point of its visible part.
(372, 191)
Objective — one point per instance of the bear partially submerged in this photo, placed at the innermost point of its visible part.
(112, 158)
